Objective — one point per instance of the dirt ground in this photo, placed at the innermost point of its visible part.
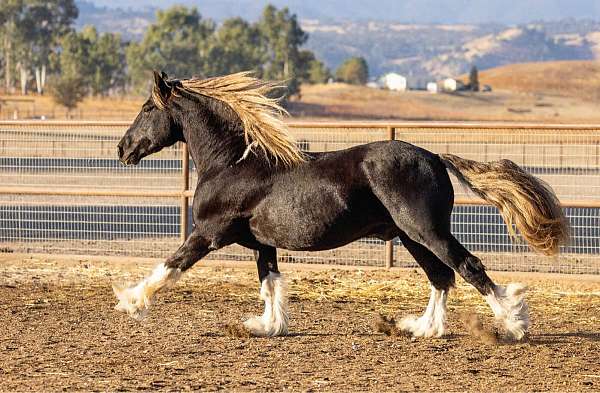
(60, 332)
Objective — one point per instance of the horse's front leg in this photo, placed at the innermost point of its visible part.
(273, 291)
(136, 300)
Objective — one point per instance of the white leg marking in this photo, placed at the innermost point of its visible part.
(135, 300)
(274, 321)
(433, 321)
(509, 306)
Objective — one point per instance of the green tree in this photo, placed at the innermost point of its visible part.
(311, 70)
(106, 62)
(98, 60)
(282, 37)
(354, 71)
(176, 43)
(44, 23)
(474, 79)
(236, 46)
(74, 56)
(69, 85)
(11, 25)
(30, 31)
(68, 90)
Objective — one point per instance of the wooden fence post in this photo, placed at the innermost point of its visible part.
(185, 184)
(389, 245)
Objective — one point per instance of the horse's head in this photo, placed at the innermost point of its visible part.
(153, 129)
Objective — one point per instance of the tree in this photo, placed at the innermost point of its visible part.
(106, 60)
(97, 59)
(183, 44)
(236, 46)
(11, 13)
(311, 70)
(474, 79)
(282, 37)
(176, 43)
(354, 71)
(31, 29)
(69, 85)
(48, 22)
(74, 58)
(68, 90)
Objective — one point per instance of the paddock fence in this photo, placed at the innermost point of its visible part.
(63, 191)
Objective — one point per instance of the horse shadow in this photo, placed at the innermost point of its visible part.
(560, 338)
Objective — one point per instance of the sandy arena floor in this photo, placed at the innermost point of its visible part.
(60, 332)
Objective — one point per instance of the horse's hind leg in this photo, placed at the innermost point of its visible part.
(422, 211)
(136, 300)
(507, 302)
(433, 321)
(274, 320)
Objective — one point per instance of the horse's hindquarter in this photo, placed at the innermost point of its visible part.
(330, 201)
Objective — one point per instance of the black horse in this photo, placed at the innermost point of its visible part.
(256, 189)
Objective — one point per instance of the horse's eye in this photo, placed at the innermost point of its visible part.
(147, 108)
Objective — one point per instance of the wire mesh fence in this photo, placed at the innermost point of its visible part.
(64, 191)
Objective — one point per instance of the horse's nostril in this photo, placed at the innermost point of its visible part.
(120, 151)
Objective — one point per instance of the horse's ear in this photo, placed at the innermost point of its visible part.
(161, 91)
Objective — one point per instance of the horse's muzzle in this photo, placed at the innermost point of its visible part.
(127, 157)
(131, 152)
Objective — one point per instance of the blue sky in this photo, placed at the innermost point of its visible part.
(419, 11)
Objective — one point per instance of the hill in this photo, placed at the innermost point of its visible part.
(435, 51)
(422, 49)
(576, 79)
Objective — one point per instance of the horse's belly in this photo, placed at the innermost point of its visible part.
(322, 222)
(293, 235)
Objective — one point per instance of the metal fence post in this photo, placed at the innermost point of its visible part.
(185, 184)
(389, 245)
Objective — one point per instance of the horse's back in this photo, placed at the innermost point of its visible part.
(338, 197)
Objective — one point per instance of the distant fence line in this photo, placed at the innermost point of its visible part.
(63, 191)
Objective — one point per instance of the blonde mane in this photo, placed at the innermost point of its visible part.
(261, 116)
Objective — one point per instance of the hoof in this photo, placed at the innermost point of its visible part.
(509, 307)
(433, 322)
(131, 302)
(256, 327)
(259, 328)
(422, 326)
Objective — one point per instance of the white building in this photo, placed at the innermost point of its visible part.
(452, 85)
(393, 81)
(432, 87)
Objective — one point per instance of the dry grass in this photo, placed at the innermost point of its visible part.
(575, 79)
(92, 108)
(556, 92)
(358, 102)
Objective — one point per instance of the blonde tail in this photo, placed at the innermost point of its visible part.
(525, 202)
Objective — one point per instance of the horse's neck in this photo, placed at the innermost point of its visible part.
(212, 140)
